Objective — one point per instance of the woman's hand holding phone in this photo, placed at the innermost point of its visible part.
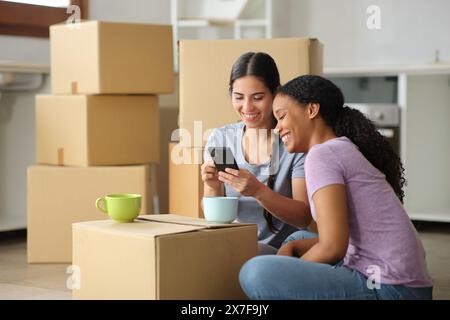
(210, 176)
(222, 168)
(243, 181)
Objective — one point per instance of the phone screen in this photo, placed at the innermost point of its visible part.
(223, 158)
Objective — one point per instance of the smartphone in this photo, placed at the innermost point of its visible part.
(223, 158)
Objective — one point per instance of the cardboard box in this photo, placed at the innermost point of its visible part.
(60, 196)
(168, 257)
(205, 67)
(185, 181)
(84, 130)
(104, 57)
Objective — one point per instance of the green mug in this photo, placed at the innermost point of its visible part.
(120, 207)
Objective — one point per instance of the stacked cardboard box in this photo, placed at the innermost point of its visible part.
(185, 182)
(98, 132)
(205, 102)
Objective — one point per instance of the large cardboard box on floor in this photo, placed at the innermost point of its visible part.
(205, 67)
(106, 57)
(60, 196)
(168, 257)
(89, 130)
(185, 182)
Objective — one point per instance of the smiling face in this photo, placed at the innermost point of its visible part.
(252, 100)
(294, 123)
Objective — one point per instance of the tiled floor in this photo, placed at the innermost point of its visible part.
(436, 240)
(18, 280)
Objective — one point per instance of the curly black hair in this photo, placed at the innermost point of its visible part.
(350, 123)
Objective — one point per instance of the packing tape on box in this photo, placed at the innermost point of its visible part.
(74, 87)
(60, 156)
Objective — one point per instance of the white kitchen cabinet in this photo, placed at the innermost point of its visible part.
(19, 83)
(427, 146)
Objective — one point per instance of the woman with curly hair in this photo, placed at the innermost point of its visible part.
(367, 247)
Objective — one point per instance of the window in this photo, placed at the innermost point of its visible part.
(33, 17)
(48, 3)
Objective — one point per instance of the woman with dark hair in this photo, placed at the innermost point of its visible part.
(367, 247)
(270, 183)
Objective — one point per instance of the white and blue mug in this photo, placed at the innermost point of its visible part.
(220, 209)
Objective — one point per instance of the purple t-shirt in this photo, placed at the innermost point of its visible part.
(381, 233)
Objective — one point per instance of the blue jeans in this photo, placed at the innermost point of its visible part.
(273, 277)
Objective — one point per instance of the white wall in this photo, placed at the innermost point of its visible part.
(411, 30)
(139, 11)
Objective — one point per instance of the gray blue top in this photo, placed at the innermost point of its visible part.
(286, 166)
(383, 241)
